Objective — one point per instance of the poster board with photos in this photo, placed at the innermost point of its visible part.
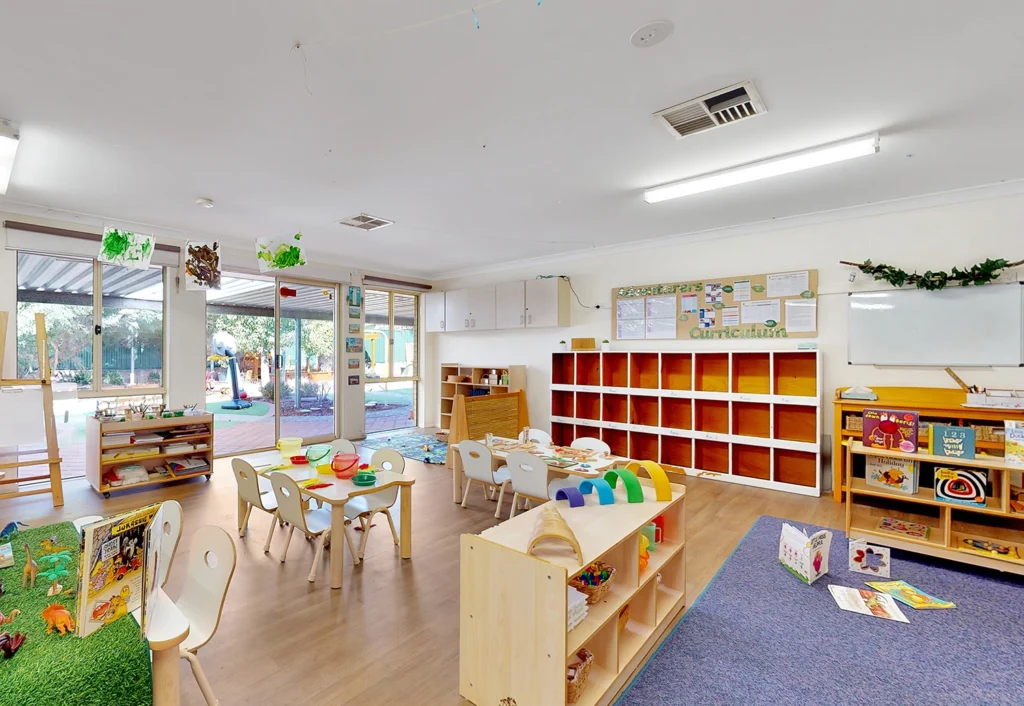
(773, 305)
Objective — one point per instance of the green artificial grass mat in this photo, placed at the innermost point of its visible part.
(109, 668)
(258, 409)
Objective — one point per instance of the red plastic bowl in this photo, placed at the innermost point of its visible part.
(299, 460)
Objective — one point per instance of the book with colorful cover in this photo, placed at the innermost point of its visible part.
(6, 556)
(952, 442)
(1014, 444)
(865, 602)
(910, 529)
(806, 557)
(908, 595)
(895, 474)
(961, 486)
(895, 430)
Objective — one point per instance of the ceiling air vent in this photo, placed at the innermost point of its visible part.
(365, 222)
(729, 105)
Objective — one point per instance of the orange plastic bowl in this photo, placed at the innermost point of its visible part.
(299, 460)
(345, 465)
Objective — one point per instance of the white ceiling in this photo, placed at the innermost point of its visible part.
(529, 137)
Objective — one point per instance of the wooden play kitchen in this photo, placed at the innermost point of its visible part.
(515, 645)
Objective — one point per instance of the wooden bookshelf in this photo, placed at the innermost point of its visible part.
(473, 382)
(749, 417)
(517, 602)
(949, 523)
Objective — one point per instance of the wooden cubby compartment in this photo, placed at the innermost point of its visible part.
(588, 405)
(795, 467)
(711, 372)
(604, 645)
(751, 373)
(677, 451)
(796, 374)
(676, 371)
(615, 369)
(796, 423)
(751, 419)
(640, 626)
(615, 408)
(562, 434)
(643, 370)
(711, 415)
(643, 446)
(588, 369)
(563, 369)
(583, 430)
(751, 461)
(618, 440)
(643, 410)
(711, 456)
(563, 403)
(676, 413)
(672, 587)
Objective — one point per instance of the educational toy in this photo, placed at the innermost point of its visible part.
(573, 495)
(634, 492)
(604, 490)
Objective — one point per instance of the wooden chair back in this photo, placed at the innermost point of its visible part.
(476, 461)
(248, 481)
(169, 535)
(290, 506)
(589, 443)
(529, 474)
(211, 564)
(538, 435)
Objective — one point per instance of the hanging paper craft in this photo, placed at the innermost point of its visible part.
(274, 254)
(202, 265)
(127, 249)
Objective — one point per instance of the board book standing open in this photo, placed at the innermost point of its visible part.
(806, 557)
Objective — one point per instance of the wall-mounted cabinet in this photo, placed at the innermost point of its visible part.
(534, 303)
(469, 309)
(433, 312)
(547, 303)
(510, 305)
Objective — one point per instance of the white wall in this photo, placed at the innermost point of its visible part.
(927, 238)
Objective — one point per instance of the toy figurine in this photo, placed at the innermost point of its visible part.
(645, 556)
(9, 645)
(1, 588)
(10, 530)
(55, 570)
(28, 574)
(10, 618)
(57, 616)
(50, 546)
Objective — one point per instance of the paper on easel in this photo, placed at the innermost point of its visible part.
(805, 557)
(21, 408)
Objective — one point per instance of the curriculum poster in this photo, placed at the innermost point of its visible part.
(775, 305)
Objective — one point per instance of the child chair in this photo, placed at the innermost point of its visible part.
(315, 524)
(211, 563)
(169, 535)
(250, 493)
(529, 478)
(538, 435)
(476, 464)
(342, 446)
(589, 443)
(364, 507)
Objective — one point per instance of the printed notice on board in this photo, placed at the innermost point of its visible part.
(627, 329)
(629, 309)
(661, 328)
(801, 315)
(688, 303)
(707, 318)
(758, 312)
(713, 292)
(741, 290)
(731, 316)
(789, 284)
(661, 308)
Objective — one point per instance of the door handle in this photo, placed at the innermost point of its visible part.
(467, 323)
(529, 319)
(442, 325)
(472, 323)
(521, 320)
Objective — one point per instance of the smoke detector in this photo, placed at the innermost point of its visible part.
(722, 107)
(366, 222)
(204, 203)
(651, 34)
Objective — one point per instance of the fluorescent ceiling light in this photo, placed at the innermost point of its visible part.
(773, 166)
(8, 148)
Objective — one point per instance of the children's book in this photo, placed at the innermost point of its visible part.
(954, 442)
(890, 429)
(1014, 445)
(961, 486)
(869, 559)
(6, 556)
(908, 595)
(865, 602)
(805, 557)
(895, 474)
(911, 529)
(112, 568)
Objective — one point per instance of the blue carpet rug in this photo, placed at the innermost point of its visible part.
(759, 636)
(411, 444)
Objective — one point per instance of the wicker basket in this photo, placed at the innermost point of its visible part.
(594, 593)
(854, 422)
(989, 433)
(576, 679)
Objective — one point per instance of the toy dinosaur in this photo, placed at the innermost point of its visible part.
(28, 574)
(1, 588)
(50, 546)
(10, 618)
(57, 616)
(9, 645)
(10, 530)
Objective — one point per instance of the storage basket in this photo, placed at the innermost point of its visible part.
(854, 422)
(594, 593)
(984, 432)
(576, 678)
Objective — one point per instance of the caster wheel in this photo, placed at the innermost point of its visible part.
(107, 496)
(208, 475)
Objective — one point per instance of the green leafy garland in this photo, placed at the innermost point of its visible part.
(977, 275)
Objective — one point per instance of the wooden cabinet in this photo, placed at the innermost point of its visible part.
(547, 302)
(433, 312)
(510, 305)
(481, 308)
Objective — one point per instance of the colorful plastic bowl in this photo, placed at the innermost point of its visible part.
(364, 479)
(299, 461)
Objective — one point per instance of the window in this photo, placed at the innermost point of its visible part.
(392, 369)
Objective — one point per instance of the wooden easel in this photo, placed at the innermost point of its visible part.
(52, 452)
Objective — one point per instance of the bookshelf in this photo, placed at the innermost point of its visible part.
(949, 523)
(473, 382)
(748, 417)
(514, 642)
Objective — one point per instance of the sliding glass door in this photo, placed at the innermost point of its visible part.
(392, 367)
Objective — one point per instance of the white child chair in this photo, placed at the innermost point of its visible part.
(315, 524)
(169, 535)
(476, 464)
(529, 478)
(252, 495)
(342, 446)
(211, 563)
(364, 507)
(589, 443)
(538, 435)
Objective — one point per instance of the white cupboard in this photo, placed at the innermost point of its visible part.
(547, 302)
(535, 303)
(510, 305)
(433, 312)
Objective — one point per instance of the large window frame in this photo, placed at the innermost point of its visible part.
(392, 378)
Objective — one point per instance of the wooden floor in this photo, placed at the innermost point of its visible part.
(391, 636)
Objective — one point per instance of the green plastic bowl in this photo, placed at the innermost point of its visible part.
(365, 479)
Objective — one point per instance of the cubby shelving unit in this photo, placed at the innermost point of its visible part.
(749, 417)
(514, 641)
(476, 385)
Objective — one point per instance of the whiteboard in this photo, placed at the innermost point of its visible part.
(963, 326)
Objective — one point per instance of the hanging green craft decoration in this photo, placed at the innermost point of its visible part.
(273, 254)
(982, 273)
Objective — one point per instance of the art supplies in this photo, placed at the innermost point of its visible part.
(895, 474)
(961, 486)
(869, 559)
(954, 442)
(908, 595)
(910, 529)
(805, 557)
(895, 430)
(860, 600)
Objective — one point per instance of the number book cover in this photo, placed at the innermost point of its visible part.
(952, 442)
(890, 429)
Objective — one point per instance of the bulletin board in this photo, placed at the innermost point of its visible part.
(774, 305)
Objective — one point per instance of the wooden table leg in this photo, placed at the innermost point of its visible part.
(166, 677)
(457, 478)
(405, 535)
(338, 544)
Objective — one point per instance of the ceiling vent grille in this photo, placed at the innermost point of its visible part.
(728, 105)
(366, 222)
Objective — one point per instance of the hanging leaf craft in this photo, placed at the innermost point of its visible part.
(273, 254)
(202, 265)
(125, 248)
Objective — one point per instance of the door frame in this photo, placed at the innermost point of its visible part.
(414, 379)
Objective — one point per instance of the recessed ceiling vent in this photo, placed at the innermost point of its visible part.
(366, 222)
(729, 105)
